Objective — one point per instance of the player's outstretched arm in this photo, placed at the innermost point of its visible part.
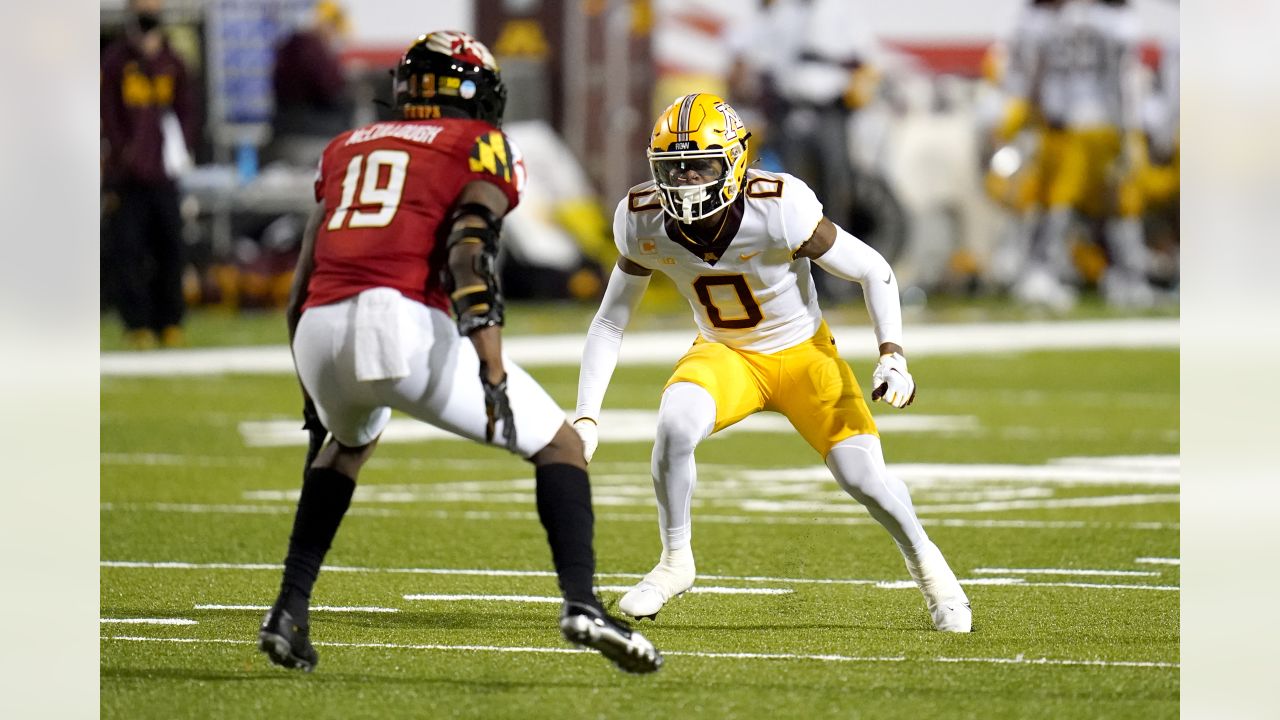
(847, 257)
(604, 339)
(476, 298)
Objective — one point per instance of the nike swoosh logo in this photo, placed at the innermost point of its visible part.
(748, 256)
(888, 279)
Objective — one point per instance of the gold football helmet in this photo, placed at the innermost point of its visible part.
(698, 156)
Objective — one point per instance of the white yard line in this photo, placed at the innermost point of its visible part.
(909, 585)
(174, 460)
(495, 598)
(616, 425)
(713, 590)
(321, 608)
(811, 506)
(477, 572)
(919, 474)
(1158, 561)
(641, 348)
(146, 621)
(491, 515)
(1019, 660)
(1061, 571)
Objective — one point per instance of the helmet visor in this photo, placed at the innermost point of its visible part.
(691, 184)
(689, 169)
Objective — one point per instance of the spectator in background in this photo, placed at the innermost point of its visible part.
(149, 123)
(312, 102)
(818, 73)
(808, 65)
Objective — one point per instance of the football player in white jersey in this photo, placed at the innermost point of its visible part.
(1080, 77)
(738, 244)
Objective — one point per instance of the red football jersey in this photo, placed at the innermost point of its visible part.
(387, 190)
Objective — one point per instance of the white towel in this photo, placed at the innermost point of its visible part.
(177, 160)
(382, 335)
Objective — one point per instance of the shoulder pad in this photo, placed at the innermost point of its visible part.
(642, 198)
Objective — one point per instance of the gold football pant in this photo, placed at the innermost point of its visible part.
(808, 383)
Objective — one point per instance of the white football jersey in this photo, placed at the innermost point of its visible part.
(1088, 66)
(746, 288)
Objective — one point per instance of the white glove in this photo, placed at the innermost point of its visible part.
(891, 381)
(590, 434)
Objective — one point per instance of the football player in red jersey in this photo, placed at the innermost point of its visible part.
(405, 227)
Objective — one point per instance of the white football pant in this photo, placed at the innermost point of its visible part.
(442, 384)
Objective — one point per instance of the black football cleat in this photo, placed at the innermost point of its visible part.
(287, 643)
(589, 626)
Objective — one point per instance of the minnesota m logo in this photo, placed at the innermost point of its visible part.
(490, 155)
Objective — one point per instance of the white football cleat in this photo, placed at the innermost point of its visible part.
(673, 575)
(947, 603)
(1039, 288)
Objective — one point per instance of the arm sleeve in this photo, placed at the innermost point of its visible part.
(851, 259)
(604, 339)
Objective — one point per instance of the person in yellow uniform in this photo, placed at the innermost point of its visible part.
(1082, 83)
(739, 245)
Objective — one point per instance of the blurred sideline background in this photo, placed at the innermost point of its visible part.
(933, 186)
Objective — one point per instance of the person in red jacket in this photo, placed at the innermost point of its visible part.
(149, 123)
(405, 228)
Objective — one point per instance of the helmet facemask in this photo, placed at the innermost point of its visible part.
(694, 184)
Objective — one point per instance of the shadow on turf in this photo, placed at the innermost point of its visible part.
(500, 619)
(264, 672)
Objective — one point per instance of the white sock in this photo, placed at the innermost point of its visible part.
(686, 415)
(858, 465)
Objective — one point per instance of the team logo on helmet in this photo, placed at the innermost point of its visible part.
(461, 46)
(449, 71)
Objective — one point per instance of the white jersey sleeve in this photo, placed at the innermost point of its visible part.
(639, 251)
(800, 210)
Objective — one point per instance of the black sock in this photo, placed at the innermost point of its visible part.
(564, 506)
(326, 495)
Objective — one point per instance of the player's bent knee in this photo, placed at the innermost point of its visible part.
(565, 448)
(676, 436)
(346, 459)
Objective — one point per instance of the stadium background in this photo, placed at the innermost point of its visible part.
(585, 80)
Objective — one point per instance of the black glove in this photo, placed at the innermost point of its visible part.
(497, 407)
(316, 432)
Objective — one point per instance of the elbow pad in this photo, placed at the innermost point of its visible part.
(479, 305)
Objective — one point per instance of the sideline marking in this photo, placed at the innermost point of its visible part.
(323, 608)
(647, 348)
(1018, 660)
(1159, 561)
(147, 621)
(1061, 571)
